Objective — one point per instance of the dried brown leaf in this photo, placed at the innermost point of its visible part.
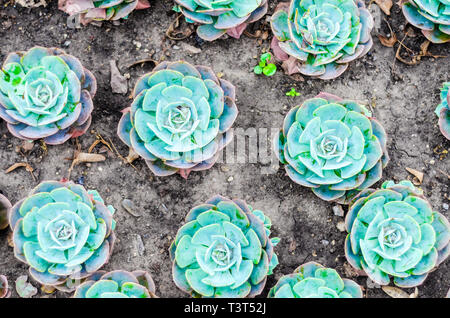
(388, 42)
(385, 5)
(395, 292)
(417, 174)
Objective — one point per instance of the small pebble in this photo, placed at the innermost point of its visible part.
(445, 206)
(230, 179)
(341, 226)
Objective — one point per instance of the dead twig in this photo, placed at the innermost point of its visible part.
(19, 165)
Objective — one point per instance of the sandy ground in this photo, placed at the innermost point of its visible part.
(402, 97)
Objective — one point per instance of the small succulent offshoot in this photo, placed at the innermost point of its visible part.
(293, 93)
(393, 232)
(223, 250)
(62, 232)
(100, 10)
(46, 94)
(312, 280)
(117, 284)
(180, 118)
(264, 66)
(216, 18)
(443, 110)
(319, 38)
(432, 17)
(5, 207)
(4, 288)
(333, 146)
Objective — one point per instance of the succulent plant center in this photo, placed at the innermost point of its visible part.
(391, 235)
(223, 252)
(330, 146)
(61, 231)
(44, 93)
(323, 26)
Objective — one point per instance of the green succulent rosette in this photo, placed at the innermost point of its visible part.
(63, 232)
(223, 250)
(180, 118)
(312, 280)
(46, 93)
(320, 37)
(393, 231)
(443, 111)
(332, 146)
(431, 16)
(219, 17)
(117, 284)
(5, 206)
(99, 10)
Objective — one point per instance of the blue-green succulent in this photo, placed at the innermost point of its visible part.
(312, 280)
(219, 17)
(46, 93)
(99, 10)
(63, 232)
(431, 16)
(223, 250)
(5, 206)
(180, 118)
(117, 284)
(394, 232)
(332, 146)
(443, 111)
(320, 37)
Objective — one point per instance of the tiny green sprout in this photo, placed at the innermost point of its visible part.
(263, 67)
(293, 93)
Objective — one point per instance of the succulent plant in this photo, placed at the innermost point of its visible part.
(312, 280)
(320, 37)
(63, 232)
(443, 111)
(99, 10)
(5, 206)
(117, 284)
(46, 93)
(223, 250)
(180, 118)
(4, 289)
(431, 16)
(219, 17)
(333, 146)
(393, 231)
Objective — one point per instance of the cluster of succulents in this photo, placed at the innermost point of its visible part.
(320, 37)
(180, 118)
(332, 146)
(63, 232)
(117, 284)
(431, 16)
(46, 93)
(393, 231)
(312, 280)
(223, 250)
(443, 111)
(219, 17)
(99, 10)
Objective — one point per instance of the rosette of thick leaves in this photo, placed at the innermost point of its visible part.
(5, 206)
(180, 118)
(431, 16)
(443, 111)
(117, 284)
(46, 93)
(4, 289)
(312, 280)
(223, 250)
(99, 10)
(218, 17)
(320, 37)
(332, 146)
(63, 232)
(393, 231)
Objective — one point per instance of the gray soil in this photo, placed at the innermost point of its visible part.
(402, 97)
